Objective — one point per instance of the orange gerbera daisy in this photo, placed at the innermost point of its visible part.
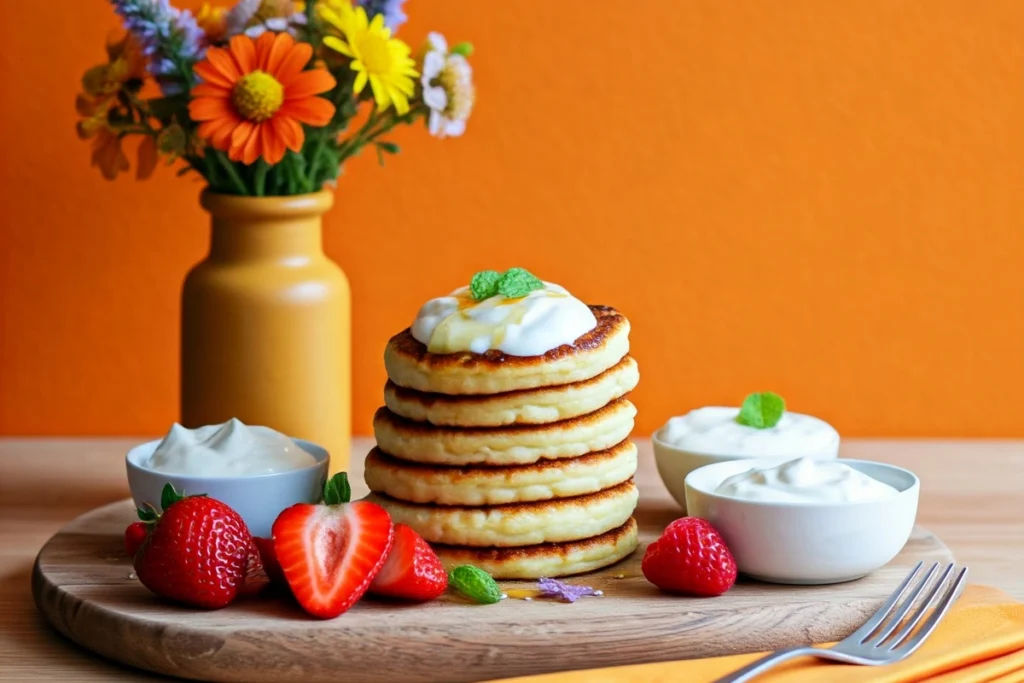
(256, 94)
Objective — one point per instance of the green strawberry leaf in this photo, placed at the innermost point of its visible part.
(484, 284)
(761, 410)
(475, 584)
(517, 282)
(148, 513)
(337, 490)
(169, 497)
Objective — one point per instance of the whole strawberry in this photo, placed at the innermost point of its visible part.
(197, 551)
(690, 558)
(134, 537)
(268, 558)
(256, 577)
(412, 570)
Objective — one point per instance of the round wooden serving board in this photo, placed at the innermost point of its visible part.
(83, 584)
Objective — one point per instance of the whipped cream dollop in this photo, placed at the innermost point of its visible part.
(531, 325)
(229, 449)
(714, 431)
(805, 480)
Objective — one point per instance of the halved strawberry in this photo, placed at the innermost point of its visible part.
(412, 569)
(329, 553)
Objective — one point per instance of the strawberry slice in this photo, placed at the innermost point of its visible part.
(412, 570)
(331, 552)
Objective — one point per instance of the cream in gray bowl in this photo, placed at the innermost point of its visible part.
(255, 470)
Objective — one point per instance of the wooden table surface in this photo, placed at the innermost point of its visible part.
(972, 498)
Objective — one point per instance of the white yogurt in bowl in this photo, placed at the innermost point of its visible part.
(819, 524)
(715, 431)
(255, 470)
(805, 480)
(229, 449)
(709, 435)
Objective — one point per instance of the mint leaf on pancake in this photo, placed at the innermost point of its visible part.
(484, 284)
(518, 282)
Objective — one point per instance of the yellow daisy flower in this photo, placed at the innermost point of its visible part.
(377, 58)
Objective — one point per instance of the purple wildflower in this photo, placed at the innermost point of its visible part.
(391, 9)
(553, 588)
(170, 38)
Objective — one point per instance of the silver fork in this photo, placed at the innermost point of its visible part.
(888, 636)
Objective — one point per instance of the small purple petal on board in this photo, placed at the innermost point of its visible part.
(553, 588)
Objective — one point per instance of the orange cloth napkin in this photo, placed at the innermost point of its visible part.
(981, 640)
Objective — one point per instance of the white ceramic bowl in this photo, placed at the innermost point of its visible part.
(258, 499)
(675, 463)
(807, 543)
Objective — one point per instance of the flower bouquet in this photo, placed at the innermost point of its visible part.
(260, 98)
(266, 100)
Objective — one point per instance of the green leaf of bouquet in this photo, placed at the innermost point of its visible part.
(165, 108)
(389, 147)
(464, 48)
(761, 410)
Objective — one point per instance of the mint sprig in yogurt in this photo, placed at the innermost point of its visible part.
(761, 410)
(760, 428)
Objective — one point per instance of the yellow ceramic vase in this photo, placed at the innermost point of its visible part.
(265, 323)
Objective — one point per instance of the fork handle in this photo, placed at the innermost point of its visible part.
(759, 666)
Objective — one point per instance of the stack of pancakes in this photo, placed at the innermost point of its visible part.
(520, 465)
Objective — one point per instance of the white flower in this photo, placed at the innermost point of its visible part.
(447, 88)
(254, 17)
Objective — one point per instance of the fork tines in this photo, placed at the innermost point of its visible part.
(895, 625)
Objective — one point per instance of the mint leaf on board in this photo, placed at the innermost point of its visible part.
(475, 584)
(518, 282)
(337, 490)
(761, 410)
(484, 284)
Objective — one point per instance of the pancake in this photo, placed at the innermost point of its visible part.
(517, 524)
(542, 480)
(410, 365)
(500, 446)
(548, 559)
(526, 406)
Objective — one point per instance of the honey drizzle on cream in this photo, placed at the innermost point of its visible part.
(443, 336)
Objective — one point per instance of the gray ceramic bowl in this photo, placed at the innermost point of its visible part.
(258, 499)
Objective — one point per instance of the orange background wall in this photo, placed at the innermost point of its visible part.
(819, 198)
